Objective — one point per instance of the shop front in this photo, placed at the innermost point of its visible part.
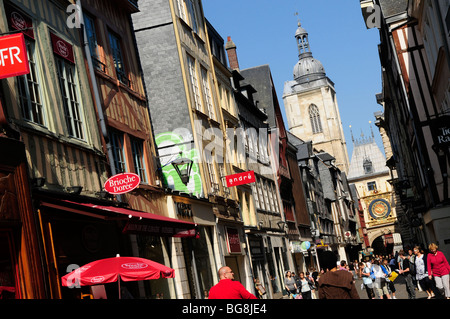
(20, 264)
(78, 231)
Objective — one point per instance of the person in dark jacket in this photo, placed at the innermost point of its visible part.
(335, 284)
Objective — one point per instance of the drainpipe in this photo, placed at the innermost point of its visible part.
(97, 102)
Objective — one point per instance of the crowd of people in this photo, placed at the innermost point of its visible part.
(428, 271)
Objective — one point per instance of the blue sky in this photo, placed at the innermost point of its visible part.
(263, 31)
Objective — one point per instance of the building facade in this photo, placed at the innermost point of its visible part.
(414, 55)
(182, 88)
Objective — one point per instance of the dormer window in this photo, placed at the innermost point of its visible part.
(368, 168)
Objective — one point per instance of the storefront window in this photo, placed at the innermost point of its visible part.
(152, 247)
(7, 281)
(199, 257)
(204, 259)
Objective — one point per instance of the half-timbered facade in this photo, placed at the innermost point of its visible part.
(414, 54)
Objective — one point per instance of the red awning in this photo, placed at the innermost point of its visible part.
(137, 221)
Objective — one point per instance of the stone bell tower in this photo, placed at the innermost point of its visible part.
(311, 105)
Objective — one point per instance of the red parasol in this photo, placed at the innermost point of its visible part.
(115, 269)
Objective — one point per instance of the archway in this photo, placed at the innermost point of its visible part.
(382, 246)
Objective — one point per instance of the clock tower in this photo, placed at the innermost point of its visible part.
(370, 175)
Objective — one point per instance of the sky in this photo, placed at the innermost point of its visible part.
(263, 31)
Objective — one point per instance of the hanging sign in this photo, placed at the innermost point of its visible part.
(19, 21)
(62, 48)
(122, 183)
(13, 56)
(233, 242)
(240, 178)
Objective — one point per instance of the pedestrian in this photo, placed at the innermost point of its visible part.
(227, 288)
(412, 267)
(261, 291)
(380, 282)
(404, 270)
(343, 265)
(390, 282)
(306, 286)
(438, 267)
(335, 284)
(422, 278)
(367, 280)
(312, 284)
(289, 284)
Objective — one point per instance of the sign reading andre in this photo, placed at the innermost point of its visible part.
(241, 178)
(122, 183)
(13, 56)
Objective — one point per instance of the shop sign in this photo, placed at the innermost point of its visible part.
(233, 241)
(440, 128)
(13, 56)
(240, 178)
(122, 183)
(19, 21)
(62, 48)
(296, 247)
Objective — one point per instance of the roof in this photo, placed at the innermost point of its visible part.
(366, 150)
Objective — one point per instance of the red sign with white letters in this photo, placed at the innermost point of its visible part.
(13, 56)
(240, 178)
(122, 183)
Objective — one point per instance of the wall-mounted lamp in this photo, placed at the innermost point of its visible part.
(76, 190)
(183, 167)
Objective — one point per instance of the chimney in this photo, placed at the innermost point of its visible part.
(232, 55)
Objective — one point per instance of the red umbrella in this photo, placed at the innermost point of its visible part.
(115, 269)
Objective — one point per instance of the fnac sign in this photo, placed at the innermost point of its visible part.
(13, 56)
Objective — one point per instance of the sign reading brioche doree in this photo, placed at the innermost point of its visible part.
(122, 183)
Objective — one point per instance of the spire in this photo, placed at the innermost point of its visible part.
(307, 68)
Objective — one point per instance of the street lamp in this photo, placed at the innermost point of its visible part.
(183, 167)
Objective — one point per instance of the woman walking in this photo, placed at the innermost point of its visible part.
(289, 284)
(439, 268)
(422, 272)
(305, 288)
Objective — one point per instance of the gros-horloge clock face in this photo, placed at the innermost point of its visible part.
(379, 208)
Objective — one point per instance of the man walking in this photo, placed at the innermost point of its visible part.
(227, 288)
(404, 270)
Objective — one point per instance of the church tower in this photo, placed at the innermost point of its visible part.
(311, 105)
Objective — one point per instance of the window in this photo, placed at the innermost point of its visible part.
(117, 147)
(30, 96)
(266, 195)
(255, 195)
(191, 17)
(260, 193)
(194, 83)
(137, 150)
(368, 167)
(207, 94)
(92, 41)
(209, 159)
(69, 91)
(371, 186)
(116, 52)
(314, 116)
